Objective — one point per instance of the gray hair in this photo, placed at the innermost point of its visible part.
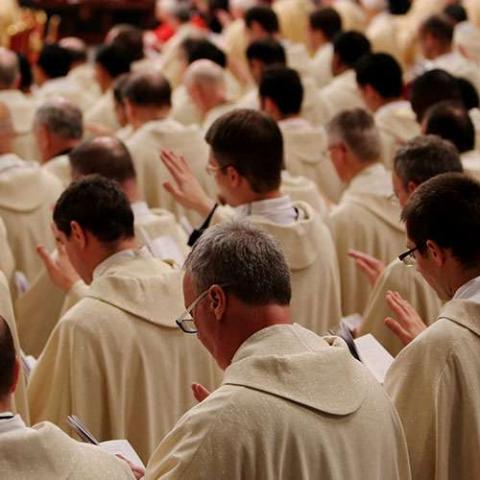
(61, 117)
(205, 73)
(247, 260)
(356, 129)
(9, 68)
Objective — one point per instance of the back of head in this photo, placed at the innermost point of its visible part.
(105, 156)
(198, 48)
(439, 27)
(268, 51)
(99, 206)
(456, 13)
(284, 87)
(350, 46)
(7, 361)
(430, 88)
(129, 38)
(424, 157)
(451, 122)
(26, 74)
(243, 258)
(148, 90)
(469, 94)
(54, 61)
(399, 7)
(252, 143)
(206, 74)
(356, 129)
(327, 20)
(446, 210)
(113, 60)
(9, 69)
(263, 16)
(382, 72)
(119, 86)
(76, 47)
(61, 117)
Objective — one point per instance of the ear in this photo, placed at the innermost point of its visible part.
(217, 299)
(16, 376)
(437, 253)
(129, 110)
(411, 187)
(233, 176)
(78, 234)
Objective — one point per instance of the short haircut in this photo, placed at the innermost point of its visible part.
(252, 143)
(430, 88)
(61, 117)
(350, 46)
(469, 94)
(129, 38)
(54, 60)
(75, 47)
(118, 88)
(423, 157)
(113, 60)
(439, 27)
(26, 75)
(399, 7)
(198, 48)
(264, 16)
(205, 73)
(456, 13)
(452, 122)
(284, 87)
(327, 20)
(356, 129)
(268, 51)
(7, 359)
(245, 259)
(105, 156)
(99, 206)
(9, 68)
(446, 210)
(148, 89)
(382, 72)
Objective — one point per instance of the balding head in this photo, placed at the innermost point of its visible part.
(77, 48)
(8, 365)
(205, 82)
(9, 69)
(105, 156)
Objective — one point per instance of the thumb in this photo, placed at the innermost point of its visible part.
(199, 392)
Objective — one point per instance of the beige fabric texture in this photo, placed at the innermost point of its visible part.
(102, 113)
(44, 452)
(302, 394)
(413, 288)
(27, 194)
(435, 386)
(60, 167)
(369, 221)
(123, 365)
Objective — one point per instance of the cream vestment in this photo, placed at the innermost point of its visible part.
(60, 167)
(118, 360)
(145, 147)
(306, 155)
(102, 113)
(44, 452)
(366, 219)
(292, 405)
(397, 124)
(413, 288)
(27, 195)
(321, 66)
(342, 93)
(36, 318)
(435, 386)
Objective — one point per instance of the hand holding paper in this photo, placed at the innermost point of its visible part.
(406, 324)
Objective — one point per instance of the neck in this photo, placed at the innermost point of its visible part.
(441, 50)
(6, 404)
(460, 278)
(251, 196)
(357, 167)
(385, 101)
(213, 102)
(130, 189)
(61, 145)
(148, 114)
(290, 116)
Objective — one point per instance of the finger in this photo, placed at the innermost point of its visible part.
(358, 254)
(42, 252)
(173, 167)
(394, 301)
(398, 330)
(199, 392)
(173, 190)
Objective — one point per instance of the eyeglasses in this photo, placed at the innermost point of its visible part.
(408, 258)
(211, 169)
(185, 320)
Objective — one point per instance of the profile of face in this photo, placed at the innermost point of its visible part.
(228, 182)
(338, 154)
(428, 45)
(401, 192)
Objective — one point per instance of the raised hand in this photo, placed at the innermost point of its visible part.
(406, 323)
(370, 266)
(185, 188)
(199, 392)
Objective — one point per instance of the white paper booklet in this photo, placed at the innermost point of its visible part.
(374, 356)
(122, 447)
